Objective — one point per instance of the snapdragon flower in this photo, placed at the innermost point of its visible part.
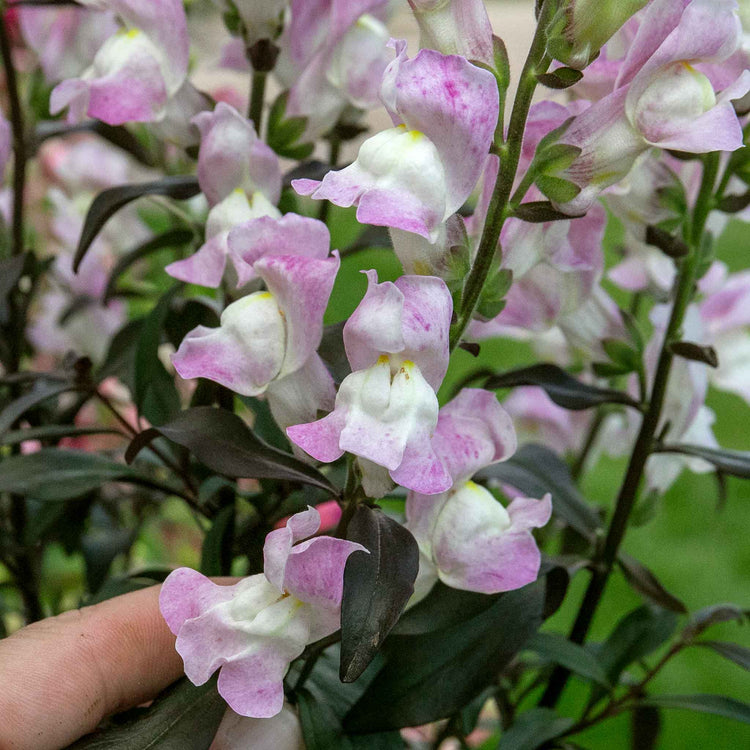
(240, 176)
(267, 340)
(466, 538)
(254, 629)
(386, 409)
(660, 98)
(136, 70)
(418, 173)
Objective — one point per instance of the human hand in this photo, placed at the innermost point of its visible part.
(62, 675)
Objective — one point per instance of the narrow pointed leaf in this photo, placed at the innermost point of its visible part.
(377, 586)
(110, 201)
(731, 651)
(225, 444)
(430, 676)
(184, 717)
(172, 238)
(562, 388)
(648, 585)
(707, 703)
(539, 212)
(557, 649)
(41, 391)
(715, 614)
(534, 728)
(736, 463)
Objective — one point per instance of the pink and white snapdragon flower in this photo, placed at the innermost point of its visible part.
(416, 174)
(660, 98)
(240, 176)
(137, 69)
(254, 629)
(386, 409)
(466, 538)
(267, 340)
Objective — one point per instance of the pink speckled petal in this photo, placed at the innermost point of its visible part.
(529, 513)
(278, 544)
(477, 548)
(454, 103)
(301, 286)
(375, 327)
(473, 431)
(205, 266)
(428, 308)
(421, 469)
(244, 353)
(314, 570)
(320, 439)
(186, 593)
(232, 156)
(289, 235)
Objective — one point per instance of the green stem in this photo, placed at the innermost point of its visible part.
(510, 153)
(257, 94)
(604, 561)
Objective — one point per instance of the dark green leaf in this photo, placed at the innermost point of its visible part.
(41, 390)
(736, 463)
(53, 475)
(332, 351)
(648, 585)
(559, 650)
(718, 705)
(100, 546)
(172, 238)
(732, 204)
(637, 635)
(536, 470)
(54, 432)
(561, 387)
(125, 584)
(156, 395)
(11, 269)
(716, 614)
(377, 586)
(321, 727)
(622, 354)
(732, 651)
(695, 352)
(645, 727)
(109, 201)
(183, 717)
(668, 243)
(224, 443)
(533, 728)
(216, 553)
(430, 676)
(560, 78)
(540, 212)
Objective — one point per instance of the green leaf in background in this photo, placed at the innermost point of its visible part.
(715, 614)
(648, 585)
(707, 703)
(225, 444)
(54, 475)
(183, 717)
(535, 470)
(735, 653)
(559, 650)
(110, 201)
(561, 387)
(635, 636)
(155, 392)
(320, 725)
(736, 463)
(172, 238)
(377, 586)
(534, 728)
(430, 676)
(54, 432)
(42, 390)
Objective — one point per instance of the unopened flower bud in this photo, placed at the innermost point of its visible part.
(581, 27)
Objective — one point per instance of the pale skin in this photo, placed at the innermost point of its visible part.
(63, 675)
